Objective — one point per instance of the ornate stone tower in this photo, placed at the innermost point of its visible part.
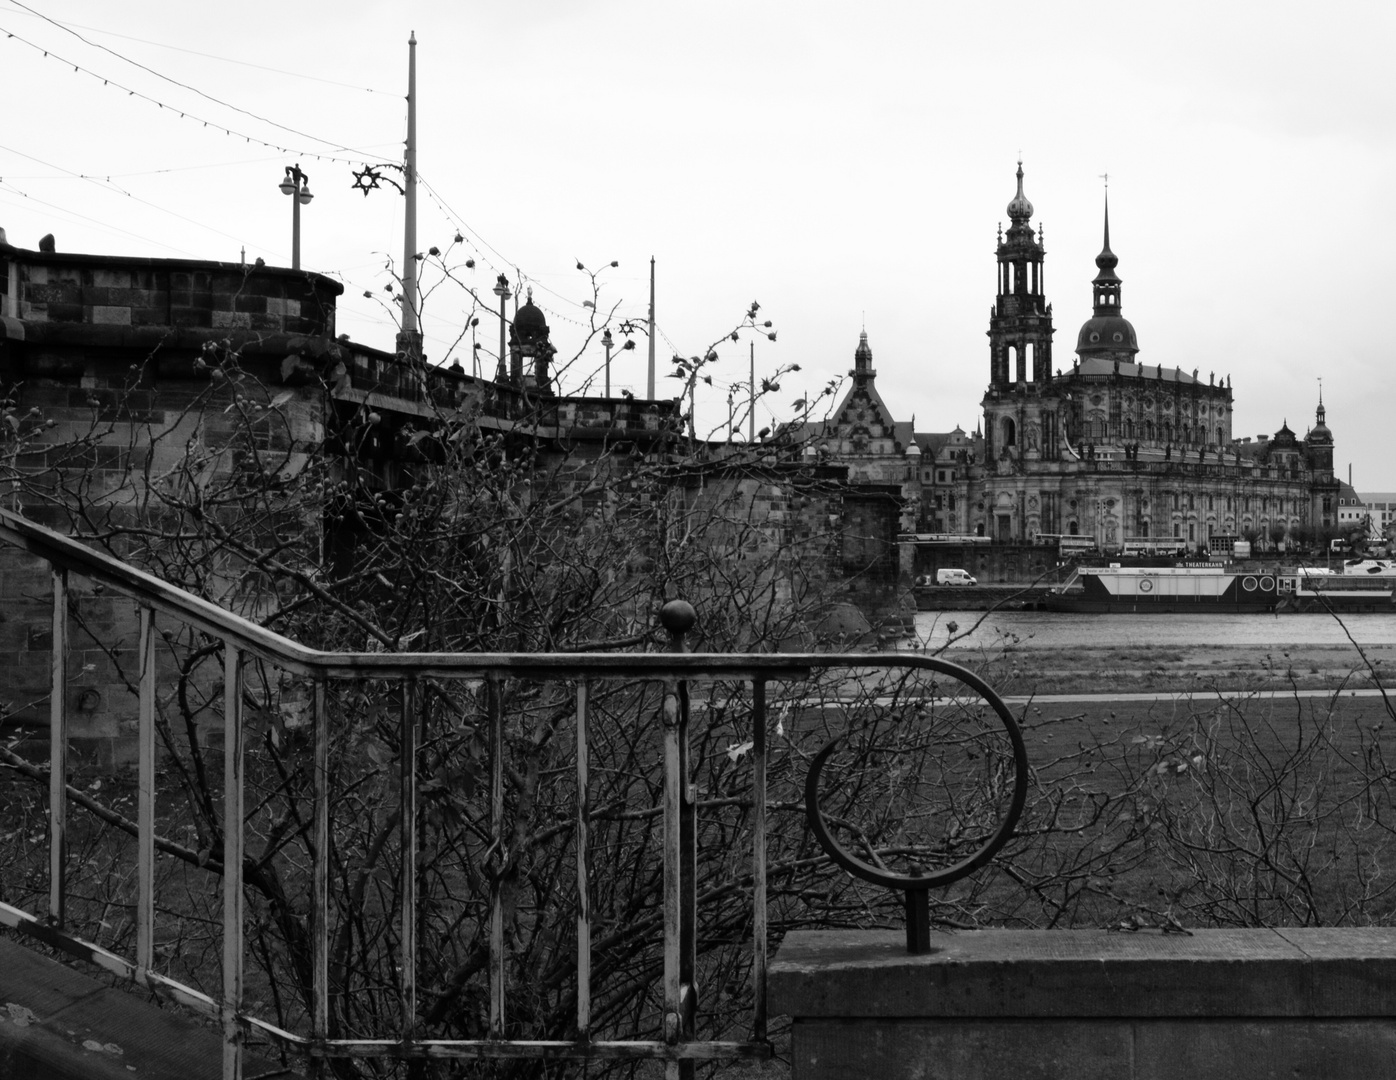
(530, 351)
(1020, 323)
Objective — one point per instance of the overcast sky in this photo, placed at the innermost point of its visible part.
(844, 164)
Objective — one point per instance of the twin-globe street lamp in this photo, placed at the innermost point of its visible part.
(296, 184)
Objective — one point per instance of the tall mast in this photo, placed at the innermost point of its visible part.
(649, 389)
(410, 340)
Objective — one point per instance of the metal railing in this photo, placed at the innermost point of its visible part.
(676, 1042)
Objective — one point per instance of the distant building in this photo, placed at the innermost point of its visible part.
(1111, 448)
(1382, 507)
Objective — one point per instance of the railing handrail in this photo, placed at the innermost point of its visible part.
(148, 590)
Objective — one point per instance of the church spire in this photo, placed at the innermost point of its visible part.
(1107, 334)
(862, 359)
(1020, 210)
(1106, 285)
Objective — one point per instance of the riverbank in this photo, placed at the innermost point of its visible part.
(1099, 669)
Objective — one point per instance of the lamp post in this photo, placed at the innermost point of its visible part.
(607, 341)
(501, 290)
(296, 184)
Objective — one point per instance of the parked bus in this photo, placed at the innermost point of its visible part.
(943, 538)
(1154, 546)
(1067, 545)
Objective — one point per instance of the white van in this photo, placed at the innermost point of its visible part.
(954, 577)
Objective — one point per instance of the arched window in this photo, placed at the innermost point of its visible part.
(1010, 432)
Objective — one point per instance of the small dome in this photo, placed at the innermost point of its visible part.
(529, 321)
(1106, 334)
(1020, 209)
(1284, 437)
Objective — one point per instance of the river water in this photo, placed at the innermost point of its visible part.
(1055, 630)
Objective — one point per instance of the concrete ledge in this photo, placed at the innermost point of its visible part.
(56, 1024)
(1232, 1004)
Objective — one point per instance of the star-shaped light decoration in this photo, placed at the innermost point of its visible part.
(368, 179)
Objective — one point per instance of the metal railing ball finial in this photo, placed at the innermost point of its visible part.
(678, 617)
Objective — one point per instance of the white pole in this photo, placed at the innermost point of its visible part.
(649, 390)
(410, 344)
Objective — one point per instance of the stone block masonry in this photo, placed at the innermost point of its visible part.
(1091, 1005)
(51, 287)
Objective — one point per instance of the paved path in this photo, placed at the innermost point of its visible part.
(1174, 695)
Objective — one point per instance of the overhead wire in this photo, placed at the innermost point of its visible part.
(102, 225)
(206, 56)
(176, 82)
(184, 114)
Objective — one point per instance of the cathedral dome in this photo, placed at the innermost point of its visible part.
(1106, 334)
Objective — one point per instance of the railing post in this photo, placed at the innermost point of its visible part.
(320, 882)
(145, 810)
(407, 823)
(58, 756)
(232, 861)
(758, 858)
(495, 702)
(680, 854)
(583, 882)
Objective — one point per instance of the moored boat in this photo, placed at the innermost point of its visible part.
(1190, 588)
(1364, 587)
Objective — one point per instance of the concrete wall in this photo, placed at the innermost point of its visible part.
(1091, 1005)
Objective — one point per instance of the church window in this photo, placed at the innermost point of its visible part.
(1010, 432)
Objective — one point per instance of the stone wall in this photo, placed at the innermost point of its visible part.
(1090, 1004)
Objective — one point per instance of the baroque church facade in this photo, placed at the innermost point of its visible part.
(1111, 448)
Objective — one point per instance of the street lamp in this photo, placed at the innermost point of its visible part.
(296, 184)
(501, 290)
(607, 341)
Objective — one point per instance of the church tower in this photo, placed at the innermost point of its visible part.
(1020, 323)
(1319, 441)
